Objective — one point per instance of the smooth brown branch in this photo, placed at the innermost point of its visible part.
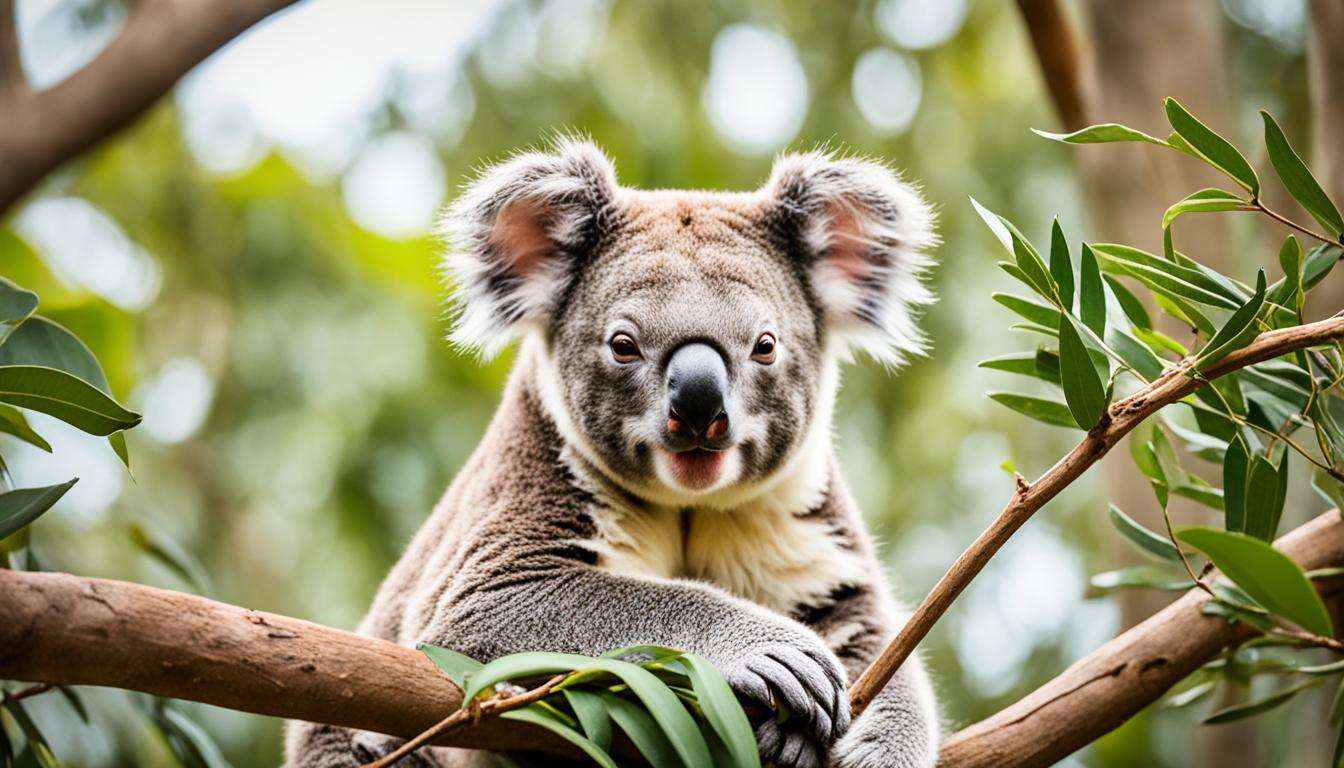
(158, 44)
(472, 713)
(1120, 418)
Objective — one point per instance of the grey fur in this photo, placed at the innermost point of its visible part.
(571, 506)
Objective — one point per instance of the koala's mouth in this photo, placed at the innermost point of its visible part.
(697, 468)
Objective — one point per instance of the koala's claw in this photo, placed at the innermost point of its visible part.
(787, 749)
(810, 684)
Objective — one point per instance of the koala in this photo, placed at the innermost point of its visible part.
(661, 468)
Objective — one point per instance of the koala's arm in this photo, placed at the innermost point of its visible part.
(566, 605)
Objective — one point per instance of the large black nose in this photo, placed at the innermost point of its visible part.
(697, 388)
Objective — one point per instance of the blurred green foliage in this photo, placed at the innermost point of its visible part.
(337, 415)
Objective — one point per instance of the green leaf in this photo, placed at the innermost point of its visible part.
(1212, 148)
(1033, 311)
(1061, 265)
(1045, 411)
(118, 442)
(40, 341)
(1024, 364)
(1142, 577)
(1084, 391)
(1266, 574)
(1239, 330)
(1135, 354)
(16, 305)
(1134, 309)
(456, 665)
(592, 715)
(64, 396)
(1190, 695)
(1297, 178)
(1103, 133)
(1320, 261)
(24, 505)
(13, 422)
(662, 704)
(1166, 277)
(1236, 470)
(1143, 538)
(535, 715)
(723, 711)
(1290, 294)
(1092, 296)
(1031, 264)
(645, 734)
(1252, 708)
(1204, 201)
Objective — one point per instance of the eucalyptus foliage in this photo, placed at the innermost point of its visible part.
(1100, 341)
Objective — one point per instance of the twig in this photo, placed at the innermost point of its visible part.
(1122, 417)
(470, 713)
(1284, 220)
(24, 693)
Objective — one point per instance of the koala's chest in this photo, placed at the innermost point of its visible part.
(772, 558)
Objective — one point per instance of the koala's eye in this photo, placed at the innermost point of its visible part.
(764, 351)
(624, 348)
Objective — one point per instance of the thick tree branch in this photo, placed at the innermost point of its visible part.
(1120, 418)
(160, 42)
(68, 630)
(1056, 46)
(1103, 690)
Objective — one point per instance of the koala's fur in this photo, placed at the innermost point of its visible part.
(569, 529)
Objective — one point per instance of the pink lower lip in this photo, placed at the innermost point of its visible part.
(697, 468)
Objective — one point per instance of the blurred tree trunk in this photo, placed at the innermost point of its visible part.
(1140, 52)
(1325, 74)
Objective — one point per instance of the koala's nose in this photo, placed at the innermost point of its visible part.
(697, 389)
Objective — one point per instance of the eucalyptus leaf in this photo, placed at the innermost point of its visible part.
(723, 711)
(1144, 539)
(64, 396)
(456, 665)
(1032, 311)
(1236, 470)
(645, 734)
(1061, 265)
(1084, 391)
(1212, 148)
(24, 505)
(540, 717)
(592, 715)
(1045, 411)
(1239, 330)
(1297, 178)
(1258, 706)
(1204, 201)
(1103, 133)
(1266, 574)
(1091, 294)
(12, 421)
(1133, 308)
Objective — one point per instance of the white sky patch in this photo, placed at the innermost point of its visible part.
(395, 186)
(85, 247)
(311, 79)
(756, 95)
(887, 89)
(59, 37)
(918, 24)
(176, 400)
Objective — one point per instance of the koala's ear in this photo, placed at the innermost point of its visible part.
(516, 235)
(861, 231)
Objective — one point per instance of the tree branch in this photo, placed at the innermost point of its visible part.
(159, 43)
(1113, 683)
(1120, 418)
(1056, 46)
(68, 630)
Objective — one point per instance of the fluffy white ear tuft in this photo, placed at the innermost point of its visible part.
(863, 232)
(516, 235)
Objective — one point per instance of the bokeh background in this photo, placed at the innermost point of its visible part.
(253, 261)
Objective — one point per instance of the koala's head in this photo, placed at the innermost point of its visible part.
(688, 342)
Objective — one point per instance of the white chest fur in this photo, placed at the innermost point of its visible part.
(771, 557)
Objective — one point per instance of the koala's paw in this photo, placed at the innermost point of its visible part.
(807, 682)
(785, 748)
